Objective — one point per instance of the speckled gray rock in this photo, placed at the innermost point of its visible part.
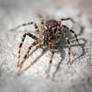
(63, 78)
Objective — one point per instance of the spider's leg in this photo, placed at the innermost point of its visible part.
(25, 56)
(65, 19)
(42, 30)
(69, 46)
(26, 68)
(75, 37)
(50, 62)
(26, 24)
(42, 25)
(23, 38)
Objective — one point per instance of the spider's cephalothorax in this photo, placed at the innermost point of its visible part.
(49, 35)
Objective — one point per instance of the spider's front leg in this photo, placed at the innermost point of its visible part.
(25, 56)
(50, 62)
(23, 38)
(65, 19)
(26, 24)
(26, 68)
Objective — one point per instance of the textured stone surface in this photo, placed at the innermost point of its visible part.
(63, 78)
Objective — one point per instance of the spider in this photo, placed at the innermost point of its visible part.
(49, 35)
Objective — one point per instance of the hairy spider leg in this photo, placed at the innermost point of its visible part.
(29, 34)
(65, 19)
(50, 62)
(75, 37)
(26, 68)
(42, 25)
(25, 56)
(69, 45)
(26, 24)
(23, 38)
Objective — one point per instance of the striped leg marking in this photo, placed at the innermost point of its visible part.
(23, 38)
(26, 68)
(75, 37)
(26, 24)
(65, 19)
(42, 25)
(25, 56)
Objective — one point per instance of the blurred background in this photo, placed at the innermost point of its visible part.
(18, 11)
(13, 5)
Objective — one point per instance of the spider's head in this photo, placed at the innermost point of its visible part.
(52, 24)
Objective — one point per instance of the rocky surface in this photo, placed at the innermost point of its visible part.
(63, 78)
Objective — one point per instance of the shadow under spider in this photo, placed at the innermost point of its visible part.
(83, 50)
(42, 53)
(62, 54)
(63, 44)
(81, 30)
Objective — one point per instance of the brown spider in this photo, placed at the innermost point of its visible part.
(49, 36)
